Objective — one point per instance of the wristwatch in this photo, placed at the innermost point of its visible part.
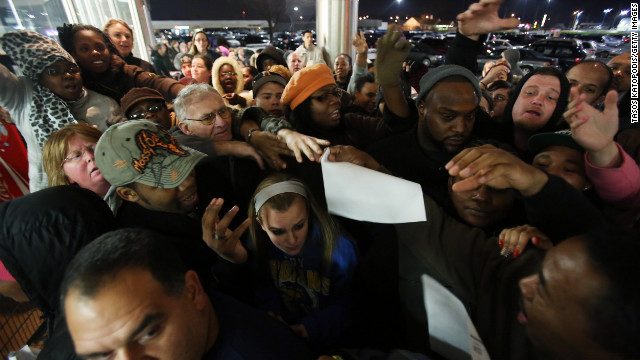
(250, 133)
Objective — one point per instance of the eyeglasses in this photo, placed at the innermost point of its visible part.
(324, 97)
(209, 118)
(62, 70)
(77, 155)
(230, 73)
(142, 113)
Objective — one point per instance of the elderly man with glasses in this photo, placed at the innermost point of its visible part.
(205, 124)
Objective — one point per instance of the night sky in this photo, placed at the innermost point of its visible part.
(382, 9)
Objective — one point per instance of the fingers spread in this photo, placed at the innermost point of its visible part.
(223, 224)
(241, 229)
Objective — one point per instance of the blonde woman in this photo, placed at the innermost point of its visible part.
(304, 264)
(67, 158)
(121, 35)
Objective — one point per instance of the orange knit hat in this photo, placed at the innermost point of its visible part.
(305, 82)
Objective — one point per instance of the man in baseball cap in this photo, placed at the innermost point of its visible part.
(157, 179)
(148, 167)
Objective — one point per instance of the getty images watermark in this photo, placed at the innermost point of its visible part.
(634, 62)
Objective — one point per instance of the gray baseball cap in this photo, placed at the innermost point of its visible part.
(141, 151)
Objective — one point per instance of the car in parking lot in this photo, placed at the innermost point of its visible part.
(426, 55)
(568, 51)
(591, 47)
(439, 45)
(495, 46)
(253, 40)
(529, 60)
(604, 46)
(518, 40)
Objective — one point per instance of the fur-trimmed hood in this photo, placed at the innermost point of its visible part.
(215, 70)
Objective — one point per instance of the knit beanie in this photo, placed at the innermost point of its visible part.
(434, 76)
(265, 77)
(305, 82)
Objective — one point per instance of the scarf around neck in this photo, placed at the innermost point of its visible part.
(32, 53)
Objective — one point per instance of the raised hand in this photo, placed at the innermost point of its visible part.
(300, 330)
(594, 130)
(497, 72)
(482, 18)
(392, 49)
(217, 235)
(360, 43)
(235, 99)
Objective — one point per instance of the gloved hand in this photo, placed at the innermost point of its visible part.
(392, 50)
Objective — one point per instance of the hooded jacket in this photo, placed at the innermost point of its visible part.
(270, 52)
(215, 79)
(464, 52)
(556, 121)
(39, 235)
(36, 111)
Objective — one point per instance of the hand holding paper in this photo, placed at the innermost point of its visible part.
(362, 194)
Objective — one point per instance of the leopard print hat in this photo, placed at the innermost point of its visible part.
(33, 52)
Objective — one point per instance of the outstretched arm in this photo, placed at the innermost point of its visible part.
(239, 149)
(500, 169)
(360, 66)
(595, 130)
(393, 49)
(614, 174)
(482, 18)
(266, 143)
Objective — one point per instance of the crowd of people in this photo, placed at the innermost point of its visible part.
(133, 240)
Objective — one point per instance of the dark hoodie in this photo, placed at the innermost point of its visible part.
(270, 52)
(39, 235)
(556, 122)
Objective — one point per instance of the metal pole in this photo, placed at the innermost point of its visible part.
(336, 24)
